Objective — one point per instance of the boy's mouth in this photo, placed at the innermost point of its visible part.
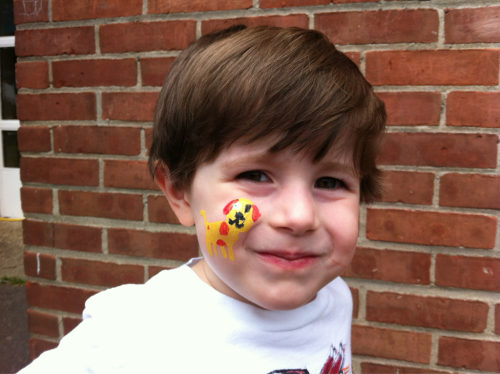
(289, 260)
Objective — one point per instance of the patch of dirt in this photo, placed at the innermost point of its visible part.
(11, 249)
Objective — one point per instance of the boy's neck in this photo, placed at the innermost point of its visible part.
(202, 270)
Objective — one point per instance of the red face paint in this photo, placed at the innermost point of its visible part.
(229, 206)
(255, 213)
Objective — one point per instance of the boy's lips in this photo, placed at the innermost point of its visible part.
(287, 259)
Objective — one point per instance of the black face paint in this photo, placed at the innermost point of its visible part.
(239, 220)
(247, 208)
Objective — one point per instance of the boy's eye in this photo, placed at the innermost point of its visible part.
(254, 175)
(328, 183)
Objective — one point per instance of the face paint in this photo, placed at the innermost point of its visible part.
(240, 216)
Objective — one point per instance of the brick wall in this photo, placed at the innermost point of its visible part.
(426, 276)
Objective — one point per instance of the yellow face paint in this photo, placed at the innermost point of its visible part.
(240, 216)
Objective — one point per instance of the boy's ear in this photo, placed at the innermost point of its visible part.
(179, 199)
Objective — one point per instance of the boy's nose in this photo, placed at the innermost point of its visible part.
(294, 211)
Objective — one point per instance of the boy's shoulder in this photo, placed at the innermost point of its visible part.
(133, 299)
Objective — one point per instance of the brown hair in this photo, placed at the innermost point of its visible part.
(247, 84)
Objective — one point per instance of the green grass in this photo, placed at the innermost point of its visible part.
(15, 281)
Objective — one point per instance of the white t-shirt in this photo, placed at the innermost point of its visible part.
(176, 323)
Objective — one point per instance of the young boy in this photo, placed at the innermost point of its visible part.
(265, 139)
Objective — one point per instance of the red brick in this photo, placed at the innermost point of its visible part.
(147, 36)
(412, 108)
(434, 312)
(433, 67)
(478, 25)
(475, 109)
(56, 41)
(43, 323)
(128, 174)
(355, 300)
(38, 233)
(34, 139)
(371, 368)
(100, 273)
(439, 149)
(380, 26)
(98, 139)
(154, 70)
(469, 354)
(188, 6)
(28, 12)
(355, 57)
(67, 171)
(470, 191)
(297, 20)
(386, 343)
(90, 73)
(431, 228)
(154, 270)
(497, 319)
(164, 245)
(40, 265)
(291, 3)
(477, 273)
(77, 238)
(38, 346)
(389, 265)
(70, 324)
(63, 10)
(101, 204)
(408, 187)
(129, 106)
(32, 74)
(66, 299)
(159, 210)
(36, 200)
(59, 106)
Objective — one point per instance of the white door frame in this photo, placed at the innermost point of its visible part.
(10, 178)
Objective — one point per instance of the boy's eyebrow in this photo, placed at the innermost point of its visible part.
(347, 168)
(265, 157)
(251, 158)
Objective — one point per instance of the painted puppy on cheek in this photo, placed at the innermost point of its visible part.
(240, 216)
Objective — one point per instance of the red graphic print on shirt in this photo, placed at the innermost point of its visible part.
(333, 365)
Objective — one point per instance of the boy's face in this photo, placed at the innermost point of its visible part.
(306, 234)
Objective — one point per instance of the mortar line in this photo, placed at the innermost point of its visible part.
(49, 10)
(101, 187)
(98, 101)
(435, 193)
(311, 20)
(434, 350)
(432, 269)
(198, 29)
(441, 30)
(104, 237)
(97, 41)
